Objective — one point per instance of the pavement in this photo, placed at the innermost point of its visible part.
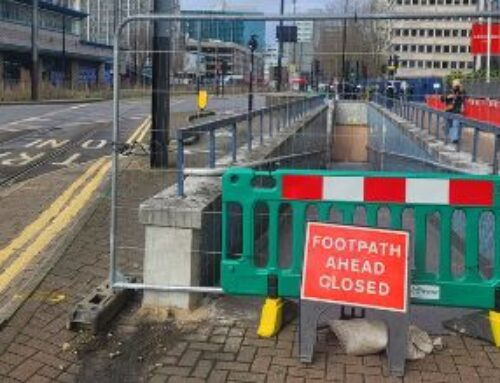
(216, 343)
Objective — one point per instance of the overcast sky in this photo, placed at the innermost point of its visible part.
(268, 6)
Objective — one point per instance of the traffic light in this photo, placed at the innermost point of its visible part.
(252, 43)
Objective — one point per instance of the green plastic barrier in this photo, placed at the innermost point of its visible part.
(244, 190)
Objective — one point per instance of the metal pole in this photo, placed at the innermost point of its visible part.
(488, 46)
(250, 85)
(344, 41)
(280, 49)
(64, 70)
(34, 53)
(160, 133)
(198, 57)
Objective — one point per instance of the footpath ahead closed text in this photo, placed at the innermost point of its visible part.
(357, 266)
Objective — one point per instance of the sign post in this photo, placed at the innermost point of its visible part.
(358, 267)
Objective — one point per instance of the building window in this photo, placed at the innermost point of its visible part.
(405, 48)
(421, 32)
(413, 48)
(446, 33)
(406, 32)
(428, 49)
(464, 33)
(470, 65)
(414, 32)
(463, 49)
(446, 49)
(397, 48)
(439, 32)
(411, 64)
(424, 2)
(453, 65)
(421, 48)
(444, 65)
(454, 49)
(455, 33)
(437, 64)
(430, 32)
(428, 64)
(437, 49)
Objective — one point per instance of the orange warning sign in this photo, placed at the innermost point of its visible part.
(356, 266)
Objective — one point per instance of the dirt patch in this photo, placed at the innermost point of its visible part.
(128, 351)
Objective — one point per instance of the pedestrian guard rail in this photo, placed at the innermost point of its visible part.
(296, 190)
(437, 122)
(278, 117)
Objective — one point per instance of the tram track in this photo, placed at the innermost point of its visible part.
(52, 155)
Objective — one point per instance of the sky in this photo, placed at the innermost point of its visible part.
(267, 6)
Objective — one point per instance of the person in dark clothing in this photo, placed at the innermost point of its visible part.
(454, 104)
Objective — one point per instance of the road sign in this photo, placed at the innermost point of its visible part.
(356, 266)
(479, 39)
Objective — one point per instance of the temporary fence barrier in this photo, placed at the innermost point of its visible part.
(484, 110)
(248, 272)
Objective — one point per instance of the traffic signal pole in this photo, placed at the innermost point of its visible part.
(34, 53)
(160, 131)
(280, 49)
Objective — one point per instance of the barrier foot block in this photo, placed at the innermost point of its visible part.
(271, 317)
(494, 317)
(482, 325)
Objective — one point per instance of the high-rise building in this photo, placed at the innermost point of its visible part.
(428, 48)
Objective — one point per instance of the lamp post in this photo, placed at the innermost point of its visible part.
(252, 45)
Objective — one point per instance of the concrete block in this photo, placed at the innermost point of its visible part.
(169, 260)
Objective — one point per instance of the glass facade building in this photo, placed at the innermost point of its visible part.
(238, 32)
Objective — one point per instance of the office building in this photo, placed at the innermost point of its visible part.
(64, 55)
(432, 48)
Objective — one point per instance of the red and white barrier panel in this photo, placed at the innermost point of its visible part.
(461, 192)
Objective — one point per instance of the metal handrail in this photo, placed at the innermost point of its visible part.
(419, 113)
(286, 114)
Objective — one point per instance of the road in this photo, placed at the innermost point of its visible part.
(35, 139)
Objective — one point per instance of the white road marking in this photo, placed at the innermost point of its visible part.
(68, 161)
(89, 144)
(53, 143)
(23, 159)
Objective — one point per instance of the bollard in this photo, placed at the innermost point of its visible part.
(211, 149)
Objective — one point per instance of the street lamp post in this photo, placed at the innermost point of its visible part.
(252, 45)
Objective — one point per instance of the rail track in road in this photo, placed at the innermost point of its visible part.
(50, 156)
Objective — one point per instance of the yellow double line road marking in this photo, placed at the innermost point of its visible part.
(61, 221)
(140, 132)
(48, 215)
(58, 215)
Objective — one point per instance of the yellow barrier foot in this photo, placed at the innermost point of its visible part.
(271, 317)
(495, 327)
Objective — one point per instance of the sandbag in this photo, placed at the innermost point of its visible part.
(361, 336)
(419, 343)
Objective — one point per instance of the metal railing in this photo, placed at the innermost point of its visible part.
(282, 115)
(437, 123)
